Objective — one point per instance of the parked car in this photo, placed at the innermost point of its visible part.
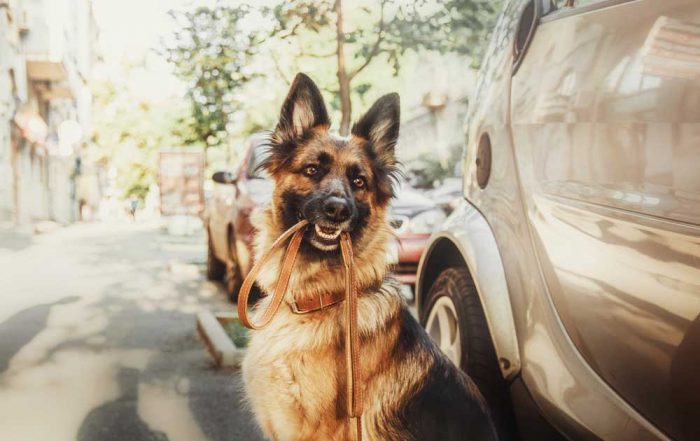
(414, 217)
(227, 216)
(448, 194)
(567, 283)
(230, 233)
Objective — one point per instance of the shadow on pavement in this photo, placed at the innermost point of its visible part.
(21, 328)
(214, 397)
(143, 292)
(14, 241)
(119, 420)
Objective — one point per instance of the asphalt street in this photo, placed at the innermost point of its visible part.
(98, 342)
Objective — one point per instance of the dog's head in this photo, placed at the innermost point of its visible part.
(337, 184)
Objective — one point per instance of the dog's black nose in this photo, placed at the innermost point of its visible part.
(336, 209)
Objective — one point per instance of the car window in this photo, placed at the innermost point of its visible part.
(576, 3)
(565, 8)
(260, 152)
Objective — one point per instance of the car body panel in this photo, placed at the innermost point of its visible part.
(219, 216)
(411, 247)
(228, 213)
(568, 391)
(606, 130)
(255, 192)
(408, 203)
(467, 229)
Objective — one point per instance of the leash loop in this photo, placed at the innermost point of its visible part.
(352, 335)
(297, 232)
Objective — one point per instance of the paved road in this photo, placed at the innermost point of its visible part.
(97, 339)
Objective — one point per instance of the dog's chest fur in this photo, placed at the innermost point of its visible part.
(294, 370)
(290, 389)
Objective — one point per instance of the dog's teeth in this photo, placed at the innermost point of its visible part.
(327, 236)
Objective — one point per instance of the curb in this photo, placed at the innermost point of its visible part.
(218, 344)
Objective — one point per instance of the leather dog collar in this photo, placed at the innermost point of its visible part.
(317, 303)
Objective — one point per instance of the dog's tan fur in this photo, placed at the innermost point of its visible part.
(294, 371)
(312, 278)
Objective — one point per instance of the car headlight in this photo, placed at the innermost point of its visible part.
(427, 221)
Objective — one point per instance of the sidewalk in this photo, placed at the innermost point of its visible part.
(17, 237)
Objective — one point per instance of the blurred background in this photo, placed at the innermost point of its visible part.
(114, 115)
(93, 92)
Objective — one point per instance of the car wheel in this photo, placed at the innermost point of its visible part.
(455, 320)
(233, 279)
(215, 267)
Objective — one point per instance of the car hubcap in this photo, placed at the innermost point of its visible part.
(443, 327)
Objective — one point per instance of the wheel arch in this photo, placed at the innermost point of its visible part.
(441, 253)
(466, 240)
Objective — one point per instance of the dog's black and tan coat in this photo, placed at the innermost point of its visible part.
(294, 371)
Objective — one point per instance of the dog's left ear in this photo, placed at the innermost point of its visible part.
(380, 128)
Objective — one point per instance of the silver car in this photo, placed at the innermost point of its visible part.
(567, 284)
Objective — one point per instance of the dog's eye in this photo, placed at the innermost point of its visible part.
(359, 182)
(310, 170)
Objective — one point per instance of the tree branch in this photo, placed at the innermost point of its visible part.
(375, 48)
(326, 55)
(279, 32)
(279, 70)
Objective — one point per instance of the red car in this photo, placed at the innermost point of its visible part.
(230, 233)
(227, 216)
(413, 217)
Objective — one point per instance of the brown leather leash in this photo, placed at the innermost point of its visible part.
(352, 335)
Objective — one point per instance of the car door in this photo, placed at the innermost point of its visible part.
(255, 188)
(605, 105)
(223, 199)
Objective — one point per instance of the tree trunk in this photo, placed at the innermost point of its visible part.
(343, 79)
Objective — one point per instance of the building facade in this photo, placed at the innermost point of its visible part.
(434, 108)
(45, 101)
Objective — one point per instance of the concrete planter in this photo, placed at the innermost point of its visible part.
(210, 327)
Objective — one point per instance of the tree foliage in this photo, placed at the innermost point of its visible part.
(127, 134)
(388, 30)
(459, 26)
(217, 57)
(213, 56)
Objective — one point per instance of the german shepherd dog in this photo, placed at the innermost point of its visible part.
(294, 370)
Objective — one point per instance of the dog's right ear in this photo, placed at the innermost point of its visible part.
(302, 111)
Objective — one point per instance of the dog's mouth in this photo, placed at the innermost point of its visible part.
(327, 233)
(325, 237)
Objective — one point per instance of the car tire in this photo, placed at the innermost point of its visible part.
(215, 267)
(232, 278)
(454, 292)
